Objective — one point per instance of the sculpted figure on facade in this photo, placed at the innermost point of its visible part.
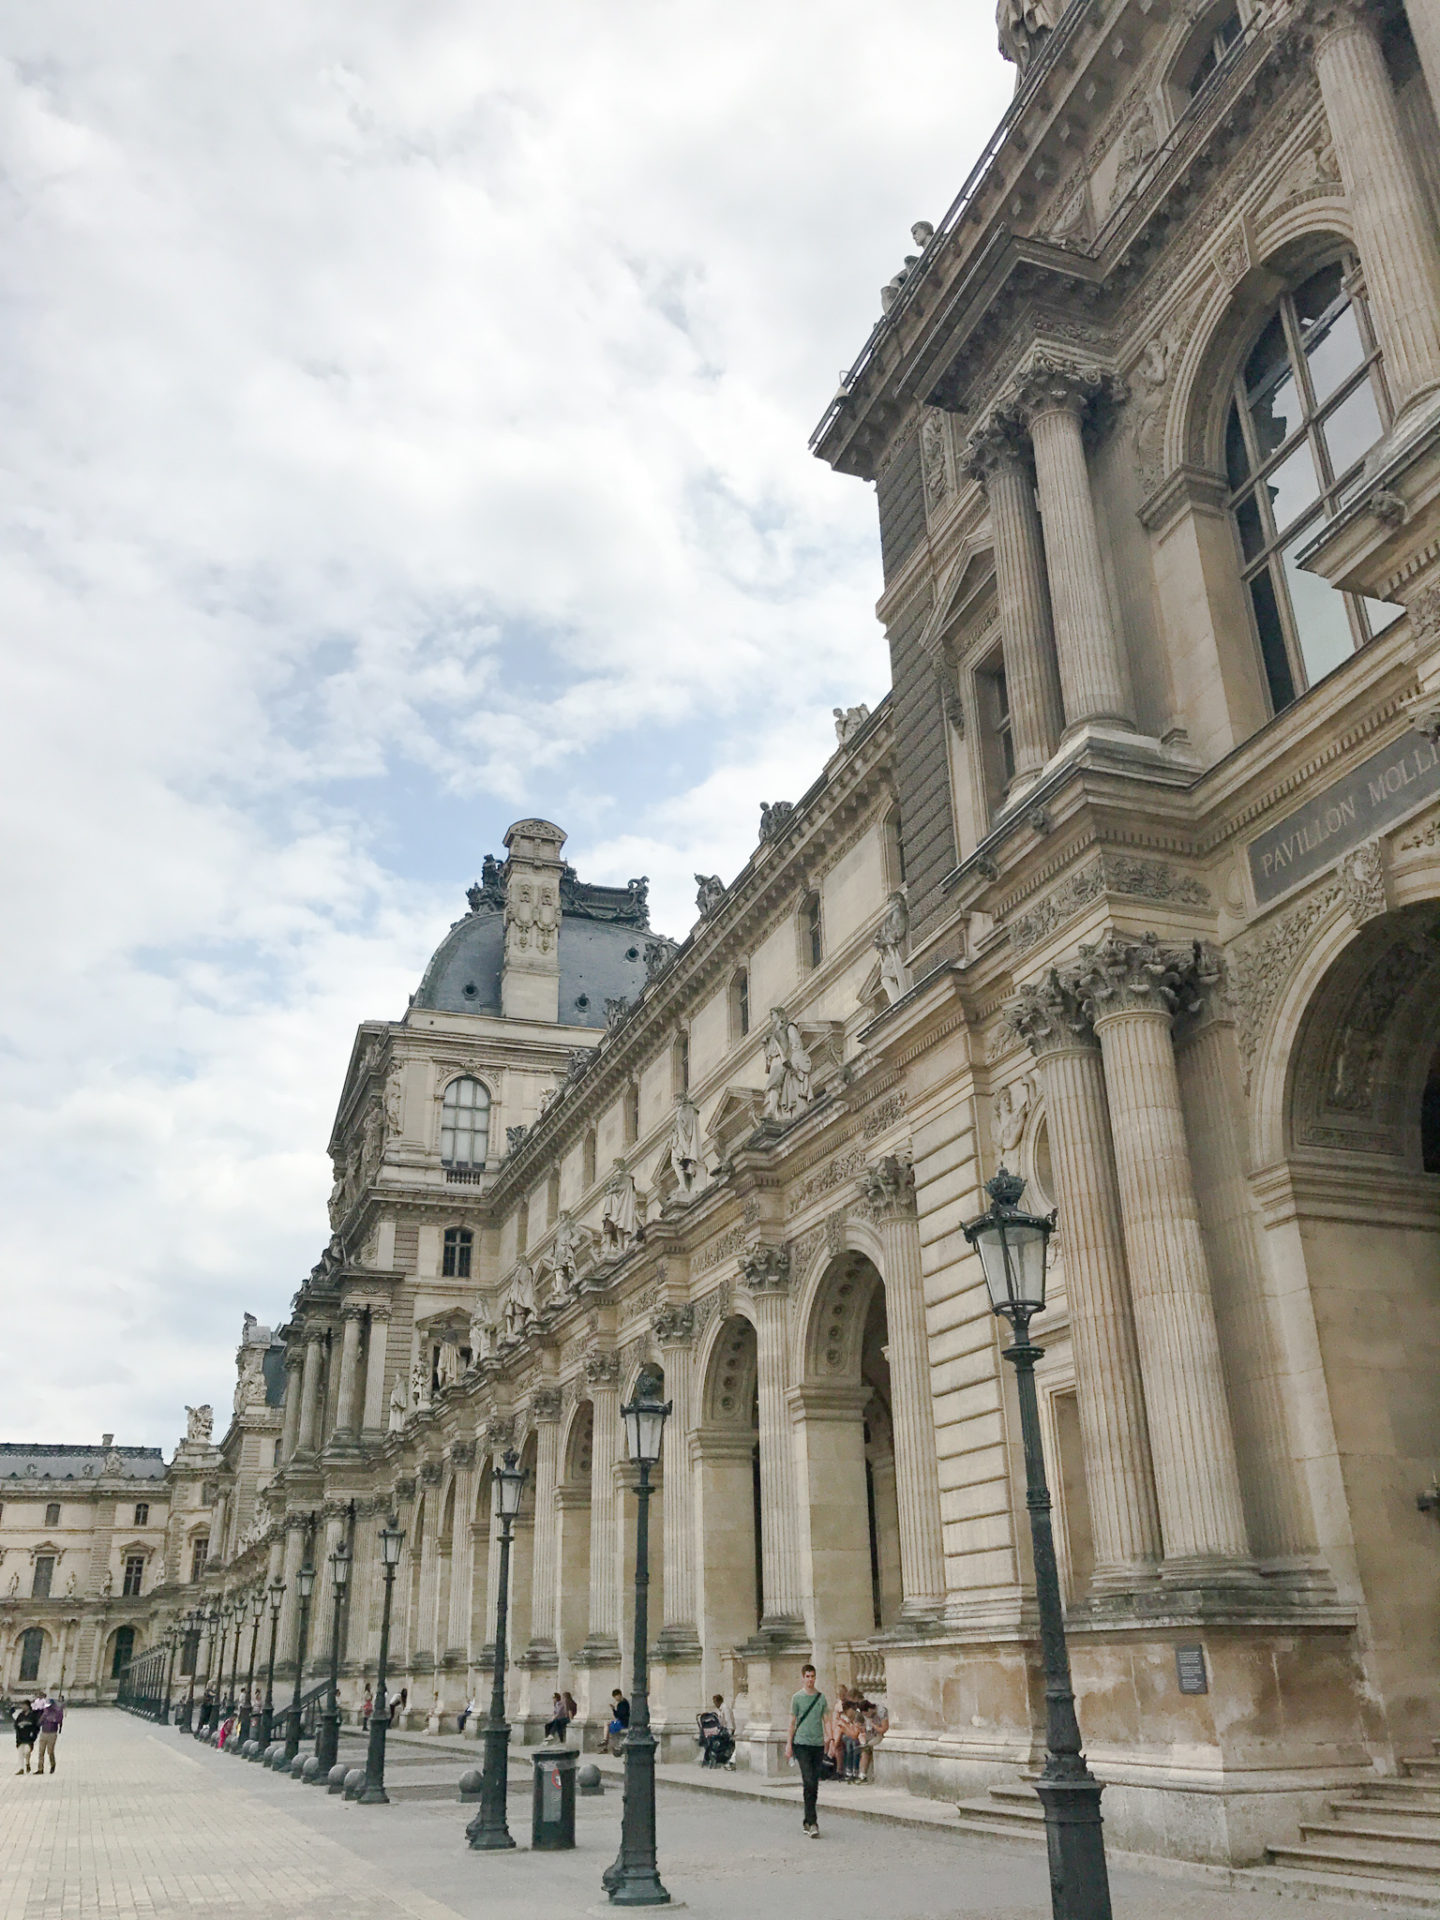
(448, 1368)
(1023, 26)
(520, 1300)
(569, 1252)
(685, 1151)
(709, 893)
(1012, 1105)
(420, 1381)
(199, 1424)
(890, 938)
(787, 1068)
(399, 1403)
(849, 721)
(482, 1331)
(620, 1227)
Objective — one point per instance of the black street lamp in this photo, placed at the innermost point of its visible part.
(212, 1624)
(171, 1642)
(373, 1792)
(234, 1615)
(634, 1878)
(305, 1587)
(327, 1746)
(190, 1626)
(276, 1592)
(247, 1711)
(488, 1831)
(1012, 1247)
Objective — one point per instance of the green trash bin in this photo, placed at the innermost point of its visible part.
(552, 1824)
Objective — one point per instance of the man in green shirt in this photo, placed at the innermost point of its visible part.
(806, 1745)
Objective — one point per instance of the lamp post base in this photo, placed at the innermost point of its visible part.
(487, 1832)
(373, 1793)
(1075, 1841)
(634, 1880)
(327, 1740)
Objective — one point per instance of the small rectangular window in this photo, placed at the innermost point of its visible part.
(997, 739)
(589, 1158)
(199, 1554)
(455, 1263)
(632, 1115)
(811, 931)
(134, 1573)
(52, 1514)
(142, 1513)
(44, 1576)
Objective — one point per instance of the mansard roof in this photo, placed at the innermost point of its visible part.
(19, 1460)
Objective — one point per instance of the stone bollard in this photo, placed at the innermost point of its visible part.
(354, 1781)
(471, 1784)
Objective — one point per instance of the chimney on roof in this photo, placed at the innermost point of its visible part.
(107, 1439)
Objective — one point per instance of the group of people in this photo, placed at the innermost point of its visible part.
(563, 1709)
(843, 1741)
(37, 1727)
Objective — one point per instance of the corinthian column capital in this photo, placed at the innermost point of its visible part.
(1049, 1017)
(999, 443)
(1048, 383)
(674, 1323)
(1141, 976)
(890, 1188)
(766, 1270)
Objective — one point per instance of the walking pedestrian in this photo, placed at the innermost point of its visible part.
(367, 1707)
(806, 1745)
(27, 1728)
(52, 1719)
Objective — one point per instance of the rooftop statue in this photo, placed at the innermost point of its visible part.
(1023, 26)
(710, 892)
(199, 1424)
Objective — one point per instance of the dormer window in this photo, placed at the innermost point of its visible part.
(465, 1124)
(455, 1258)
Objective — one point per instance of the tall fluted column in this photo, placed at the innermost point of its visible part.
(675, 1331)
(890, 1189)
(545, 1550)
(374, 1415)
(1393, 230)
(1130, 989)
(997, 458)
(296, 1535)
(1119, 1480)
(289, 1431)
(431, 1474)
(1281, 1528)
(306, 1439)
(766, 1274)
(1425, 27)
(352, 1325)
(462, 1549)
(1094, 677)
(602, 1376)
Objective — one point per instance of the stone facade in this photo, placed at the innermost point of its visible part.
(1132, 883)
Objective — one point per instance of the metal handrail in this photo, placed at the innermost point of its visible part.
(1025, 92)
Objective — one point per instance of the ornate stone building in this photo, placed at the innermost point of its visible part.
(1133, 883)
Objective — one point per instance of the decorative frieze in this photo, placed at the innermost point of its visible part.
(1259, 968)
(834, 1173)
(1113, 873)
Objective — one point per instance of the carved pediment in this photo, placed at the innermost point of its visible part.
(739, 1113)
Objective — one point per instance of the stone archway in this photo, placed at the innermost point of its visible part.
(1355, 1239)
(726, 1454)
(847, 1447)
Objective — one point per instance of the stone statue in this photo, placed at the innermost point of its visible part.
(394, 1102)
(70, 1586)
(890, 940)
(710, 893)
(515, 1138)
(14, 1586)
(1023, 26)
(639, 892)
(1012, 1104)
(199, 1424)
(399, 1403)
(448, 1369)
(107, 1585)
(420, 1381)
(773, 815)
(890, 292)
(685, 1144)
(482, 1331)
(567, 1250)
(659, 952)
(922, 233)
(620, 1216)
(849, 721)
(520, 1300)
(787, 1068)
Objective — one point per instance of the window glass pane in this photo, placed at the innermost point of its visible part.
(1353, 428)
(1252, 530)
(1293, 486)
(1333, 354)
(1381, 614)
(1272, 641)
(1322, 619)
(1237, 459)
(1318, 293)
(1276, 414)
(1269, 355)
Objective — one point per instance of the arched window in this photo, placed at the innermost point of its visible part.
(124, 1651)
(1309, 404)
(32, 1645)
(455, 1263)
(464, 1124)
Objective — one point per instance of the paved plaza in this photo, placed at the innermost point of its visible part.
(141, 1821)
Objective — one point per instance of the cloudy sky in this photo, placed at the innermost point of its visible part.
(403, 417)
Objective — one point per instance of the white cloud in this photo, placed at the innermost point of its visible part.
(403, 414)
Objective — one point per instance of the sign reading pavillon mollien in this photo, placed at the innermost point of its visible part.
(1376, 794)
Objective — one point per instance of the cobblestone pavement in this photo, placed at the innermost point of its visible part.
(140, 1821)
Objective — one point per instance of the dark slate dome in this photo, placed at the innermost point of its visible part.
(604, 934)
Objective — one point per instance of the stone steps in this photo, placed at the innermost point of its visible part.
(1386, 1833)
(1012, 1808)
